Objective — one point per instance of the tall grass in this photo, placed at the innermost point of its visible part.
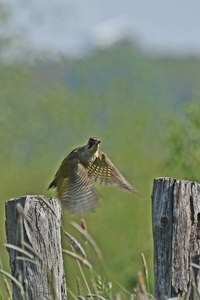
(90, 284)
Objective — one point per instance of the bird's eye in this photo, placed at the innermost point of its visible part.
(91, 142)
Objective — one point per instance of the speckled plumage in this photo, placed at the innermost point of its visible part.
(75, 177)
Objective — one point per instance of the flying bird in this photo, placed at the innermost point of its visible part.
(75, 177)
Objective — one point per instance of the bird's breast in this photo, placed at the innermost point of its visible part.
(86, 157)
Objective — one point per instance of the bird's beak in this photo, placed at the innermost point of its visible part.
(98, 142)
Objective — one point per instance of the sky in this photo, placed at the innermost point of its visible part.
(72, 27)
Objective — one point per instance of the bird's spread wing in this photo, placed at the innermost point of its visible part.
(77, 192)
(104, 171)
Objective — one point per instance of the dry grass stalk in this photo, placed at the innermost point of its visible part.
(78, 257)
(76, 245)
(88, 238)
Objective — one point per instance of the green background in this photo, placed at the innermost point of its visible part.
(144, 109)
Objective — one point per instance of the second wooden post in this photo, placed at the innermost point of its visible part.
(176, 233)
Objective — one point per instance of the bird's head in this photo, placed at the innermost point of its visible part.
(93, 143)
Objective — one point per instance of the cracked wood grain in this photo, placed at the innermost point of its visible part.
(36, 220)
(176, 233)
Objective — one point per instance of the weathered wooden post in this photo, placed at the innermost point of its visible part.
(33, 225)
(176, 233)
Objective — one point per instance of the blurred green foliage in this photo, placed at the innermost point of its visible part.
(135, 105)
(184, 143)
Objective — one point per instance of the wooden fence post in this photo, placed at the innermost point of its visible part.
(176, 233)
(33, 224)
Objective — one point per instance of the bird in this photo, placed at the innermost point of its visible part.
(77, 173)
